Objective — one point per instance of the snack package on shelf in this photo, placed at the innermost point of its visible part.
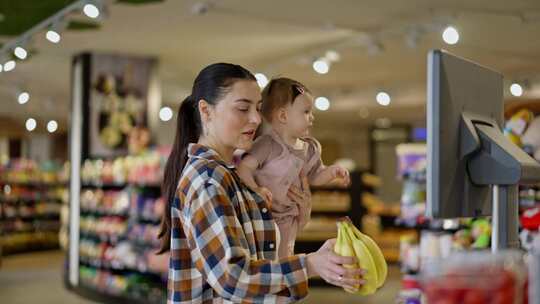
(476, 277)
(409, 253)
(412, 163)
(143, 169)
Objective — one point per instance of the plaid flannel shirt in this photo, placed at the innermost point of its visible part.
(223, 240)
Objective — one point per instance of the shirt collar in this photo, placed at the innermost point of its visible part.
(200, 151)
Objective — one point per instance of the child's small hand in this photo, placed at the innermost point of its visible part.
(266, 194)
(341, 173)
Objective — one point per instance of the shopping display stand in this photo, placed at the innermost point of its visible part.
(30, 205)
(115, 204)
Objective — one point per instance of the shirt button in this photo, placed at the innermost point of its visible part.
(264, 210)
(271, 245)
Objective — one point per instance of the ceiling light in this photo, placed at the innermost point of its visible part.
(262, 80)
(23, 98)
(91, 11)
(450, 35)
(322, 103)
(20, 53)
(516, 90)
(52, 126)
(332, 56)
(383, 98)
(321, 66)
(31, 124)
(53, 36)
(9, 66)
(165, 114)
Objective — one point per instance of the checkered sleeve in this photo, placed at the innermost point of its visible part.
(217, 239)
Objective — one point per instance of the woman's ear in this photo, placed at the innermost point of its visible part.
(204, 110)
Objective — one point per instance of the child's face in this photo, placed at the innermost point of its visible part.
(300, 115)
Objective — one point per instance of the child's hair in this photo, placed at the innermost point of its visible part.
(278, 93)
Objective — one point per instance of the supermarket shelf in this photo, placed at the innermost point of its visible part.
(10, 199)
(316, 235)
(102, 238)
(99, 296)
(34, 217)
(28, 241)
(149, 221)
(371, 180)
(113, 240)
(391, 255)
(97, 213)
(99, 264)
(34, 184)
(330, 207)
(113, 186)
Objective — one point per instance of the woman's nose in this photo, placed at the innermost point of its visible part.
(255, 118)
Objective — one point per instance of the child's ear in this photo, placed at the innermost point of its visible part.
(281, 115)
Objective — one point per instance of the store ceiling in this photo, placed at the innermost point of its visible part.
(382, 45)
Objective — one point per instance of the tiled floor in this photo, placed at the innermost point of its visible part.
(37, 278)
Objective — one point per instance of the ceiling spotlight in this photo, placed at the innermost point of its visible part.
(322, 103)
(53, 36)
(9, 66)
(332, 56)
(383, 98)
(23, 98)
(450, 35)
(31, 124)
(262, 80)
(20, 53)
(516, 90)
(200, 8)
(52, 126)
(91, 11)
(165, 114)
(321, 66)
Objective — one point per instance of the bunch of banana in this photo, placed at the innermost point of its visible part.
(352, 242)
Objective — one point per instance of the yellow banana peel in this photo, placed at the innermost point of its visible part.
(352, 242)
(344, 247)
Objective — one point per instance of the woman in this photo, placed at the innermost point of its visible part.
(220, 232)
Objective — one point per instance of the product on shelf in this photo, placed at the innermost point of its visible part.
(476, 277)
(105, 202)
(412, 162)
(143, 169)
(131, 285)
(121, 209)
(31, 197)
(331, 200)
(28, 171)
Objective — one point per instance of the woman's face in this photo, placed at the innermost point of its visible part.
(236, 116)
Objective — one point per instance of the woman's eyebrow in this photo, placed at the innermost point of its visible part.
(249, 101)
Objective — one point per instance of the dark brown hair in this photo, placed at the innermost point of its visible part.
(212, 83)
(278, 93)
